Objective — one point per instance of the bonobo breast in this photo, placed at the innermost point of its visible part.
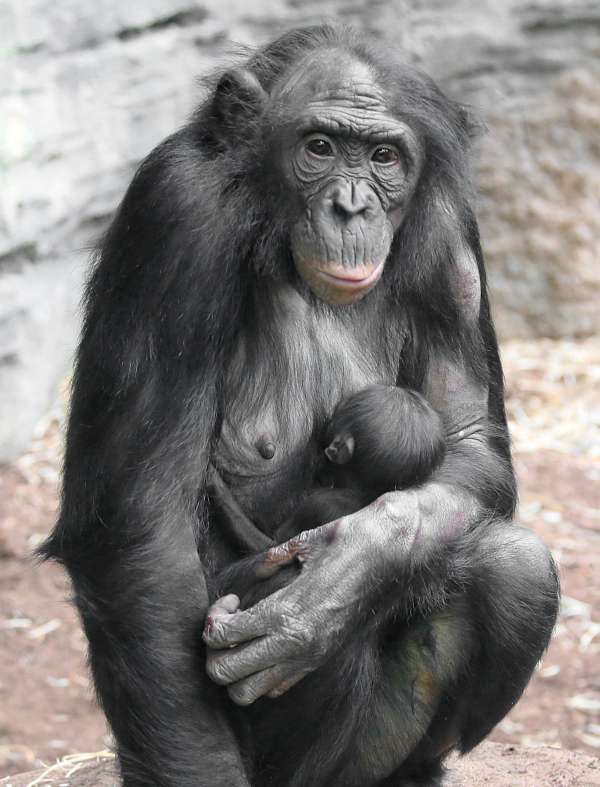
(271, 445)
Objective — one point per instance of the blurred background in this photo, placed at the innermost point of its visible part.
(88, 88)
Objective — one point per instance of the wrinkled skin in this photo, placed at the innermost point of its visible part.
(353, 167)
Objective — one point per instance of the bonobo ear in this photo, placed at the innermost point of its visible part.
(238, 98)
(472, 125)
(341, 449)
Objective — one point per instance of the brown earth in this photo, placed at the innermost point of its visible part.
(492, 764)
(47, 708)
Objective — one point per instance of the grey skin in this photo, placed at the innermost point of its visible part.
(354, 168)
(350, 202)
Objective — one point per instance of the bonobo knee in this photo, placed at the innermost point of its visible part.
(525, 553)
(518, 559)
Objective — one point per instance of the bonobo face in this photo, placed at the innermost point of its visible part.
(353, 167)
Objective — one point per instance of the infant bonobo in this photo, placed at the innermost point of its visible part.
(379, 439)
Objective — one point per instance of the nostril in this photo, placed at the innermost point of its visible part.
(346, 209)
(342, 210)
(348, 201)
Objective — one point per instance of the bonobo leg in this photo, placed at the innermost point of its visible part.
(442, 681)
(507, 611)
(170, 721)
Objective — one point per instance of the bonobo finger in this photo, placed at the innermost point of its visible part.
(229, 666)
(300, 546)
(278, 557)
(271, 564)
(287, 684)
(226, 605)
(246, 691)
(225, 631)
(222, 608)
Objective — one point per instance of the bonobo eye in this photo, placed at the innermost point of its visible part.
(319, 146)
(385, 154)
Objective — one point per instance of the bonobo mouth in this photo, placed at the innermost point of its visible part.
(352, 279)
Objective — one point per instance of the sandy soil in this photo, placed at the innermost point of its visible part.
(47, 707)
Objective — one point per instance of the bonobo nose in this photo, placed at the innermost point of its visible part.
(350, 199)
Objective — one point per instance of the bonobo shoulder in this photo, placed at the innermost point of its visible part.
(465, 282)
(173, 224)
(175, 169)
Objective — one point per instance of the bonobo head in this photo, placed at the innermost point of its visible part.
(343, 162)
(383, 438)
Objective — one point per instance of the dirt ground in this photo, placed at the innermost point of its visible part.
(47, 707)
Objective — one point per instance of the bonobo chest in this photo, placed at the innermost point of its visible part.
(282, 385)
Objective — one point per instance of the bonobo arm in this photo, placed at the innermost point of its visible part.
(395, 552)
(143, 414)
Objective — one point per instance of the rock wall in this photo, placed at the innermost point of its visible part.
(87, 89)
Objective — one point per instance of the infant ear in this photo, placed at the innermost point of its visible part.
(341, 449)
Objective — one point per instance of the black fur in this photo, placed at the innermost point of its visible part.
(186, 271)
(397, 441)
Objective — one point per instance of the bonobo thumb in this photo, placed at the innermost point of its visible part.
(300, 547)
(224, 606)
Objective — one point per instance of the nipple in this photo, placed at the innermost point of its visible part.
(266, 446)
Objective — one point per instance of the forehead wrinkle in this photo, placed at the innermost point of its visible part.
(352, 122)
(352, 93)
(339, 94)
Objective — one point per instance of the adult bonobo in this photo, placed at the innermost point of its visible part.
(306, 235)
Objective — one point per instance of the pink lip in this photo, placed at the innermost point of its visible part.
(350, 280)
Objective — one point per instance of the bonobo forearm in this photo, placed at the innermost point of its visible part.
(420, 532)
(416, 521)
(477, 457)
(474, 466)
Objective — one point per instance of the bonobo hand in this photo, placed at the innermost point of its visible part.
(271, 646)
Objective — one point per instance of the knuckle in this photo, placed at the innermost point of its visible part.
(242, 694)
(297, 631)
(211, 639)
(388, 504)
(219, 672)
(402, 511)
(214, 633)
(298, 544)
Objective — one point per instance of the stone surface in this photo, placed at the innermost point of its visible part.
(491, 764)
(87, 89)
